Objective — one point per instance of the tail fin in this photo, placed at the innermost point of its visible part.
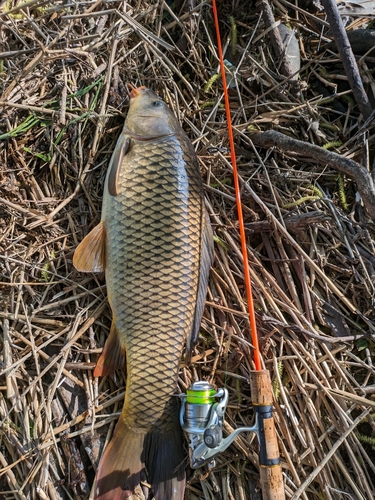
(165, 463)
(130, 454)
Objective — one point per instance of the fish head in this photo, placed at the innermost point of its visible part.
(149, 116)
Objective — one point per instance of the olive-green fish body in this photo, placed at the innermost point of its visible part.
(154, 238)
(155, 243)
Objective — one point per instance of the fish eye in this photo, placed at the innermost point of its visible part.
(157, 104)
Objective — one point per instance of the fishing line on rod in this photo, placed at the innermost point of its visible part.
(250, 302)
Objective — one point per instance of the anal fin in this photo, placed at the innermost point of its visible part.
(89, 256)
(112, 357)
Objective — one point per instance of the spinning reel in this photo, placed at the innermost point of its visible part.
(202, 418)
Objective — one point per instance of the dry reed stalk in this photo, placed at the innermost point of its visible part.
(311, 244)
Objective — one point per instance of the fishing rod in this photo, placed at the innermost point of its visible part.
(202, 407)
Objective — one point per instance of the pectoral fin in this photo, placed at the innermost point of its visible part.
(112, 357)
(90, 253)
(122, 147)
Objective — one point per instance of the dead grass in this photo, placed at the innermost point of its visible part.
(63, 77)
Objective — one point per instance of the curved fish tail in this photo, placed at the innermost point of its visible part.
(155, 457)
(166, 463)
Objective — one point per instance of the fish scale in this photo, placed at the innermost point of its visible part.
(161, 266)
(156, 252)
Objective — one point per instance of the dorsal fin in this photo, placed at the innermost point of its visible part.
(122, 147)
(206, 261)
(89, 256)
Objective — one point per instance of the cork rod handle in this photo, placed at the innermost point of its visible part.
(271, 478)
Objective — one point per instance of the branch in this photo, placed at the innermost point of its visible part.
(362, 177)
(347, 57)
(276, 40)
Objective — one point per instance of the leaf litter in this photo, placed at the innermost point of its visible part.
(63, 78)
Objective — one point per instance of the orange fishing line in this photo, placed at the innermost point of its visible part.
(250, 303)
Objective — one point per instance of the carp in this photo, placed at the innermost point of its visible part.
(155, 244)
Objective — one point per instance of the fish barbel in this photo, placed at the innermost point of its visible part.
(155, 244)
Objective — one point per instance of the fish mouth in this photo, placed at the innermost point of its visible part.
(135, 92)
